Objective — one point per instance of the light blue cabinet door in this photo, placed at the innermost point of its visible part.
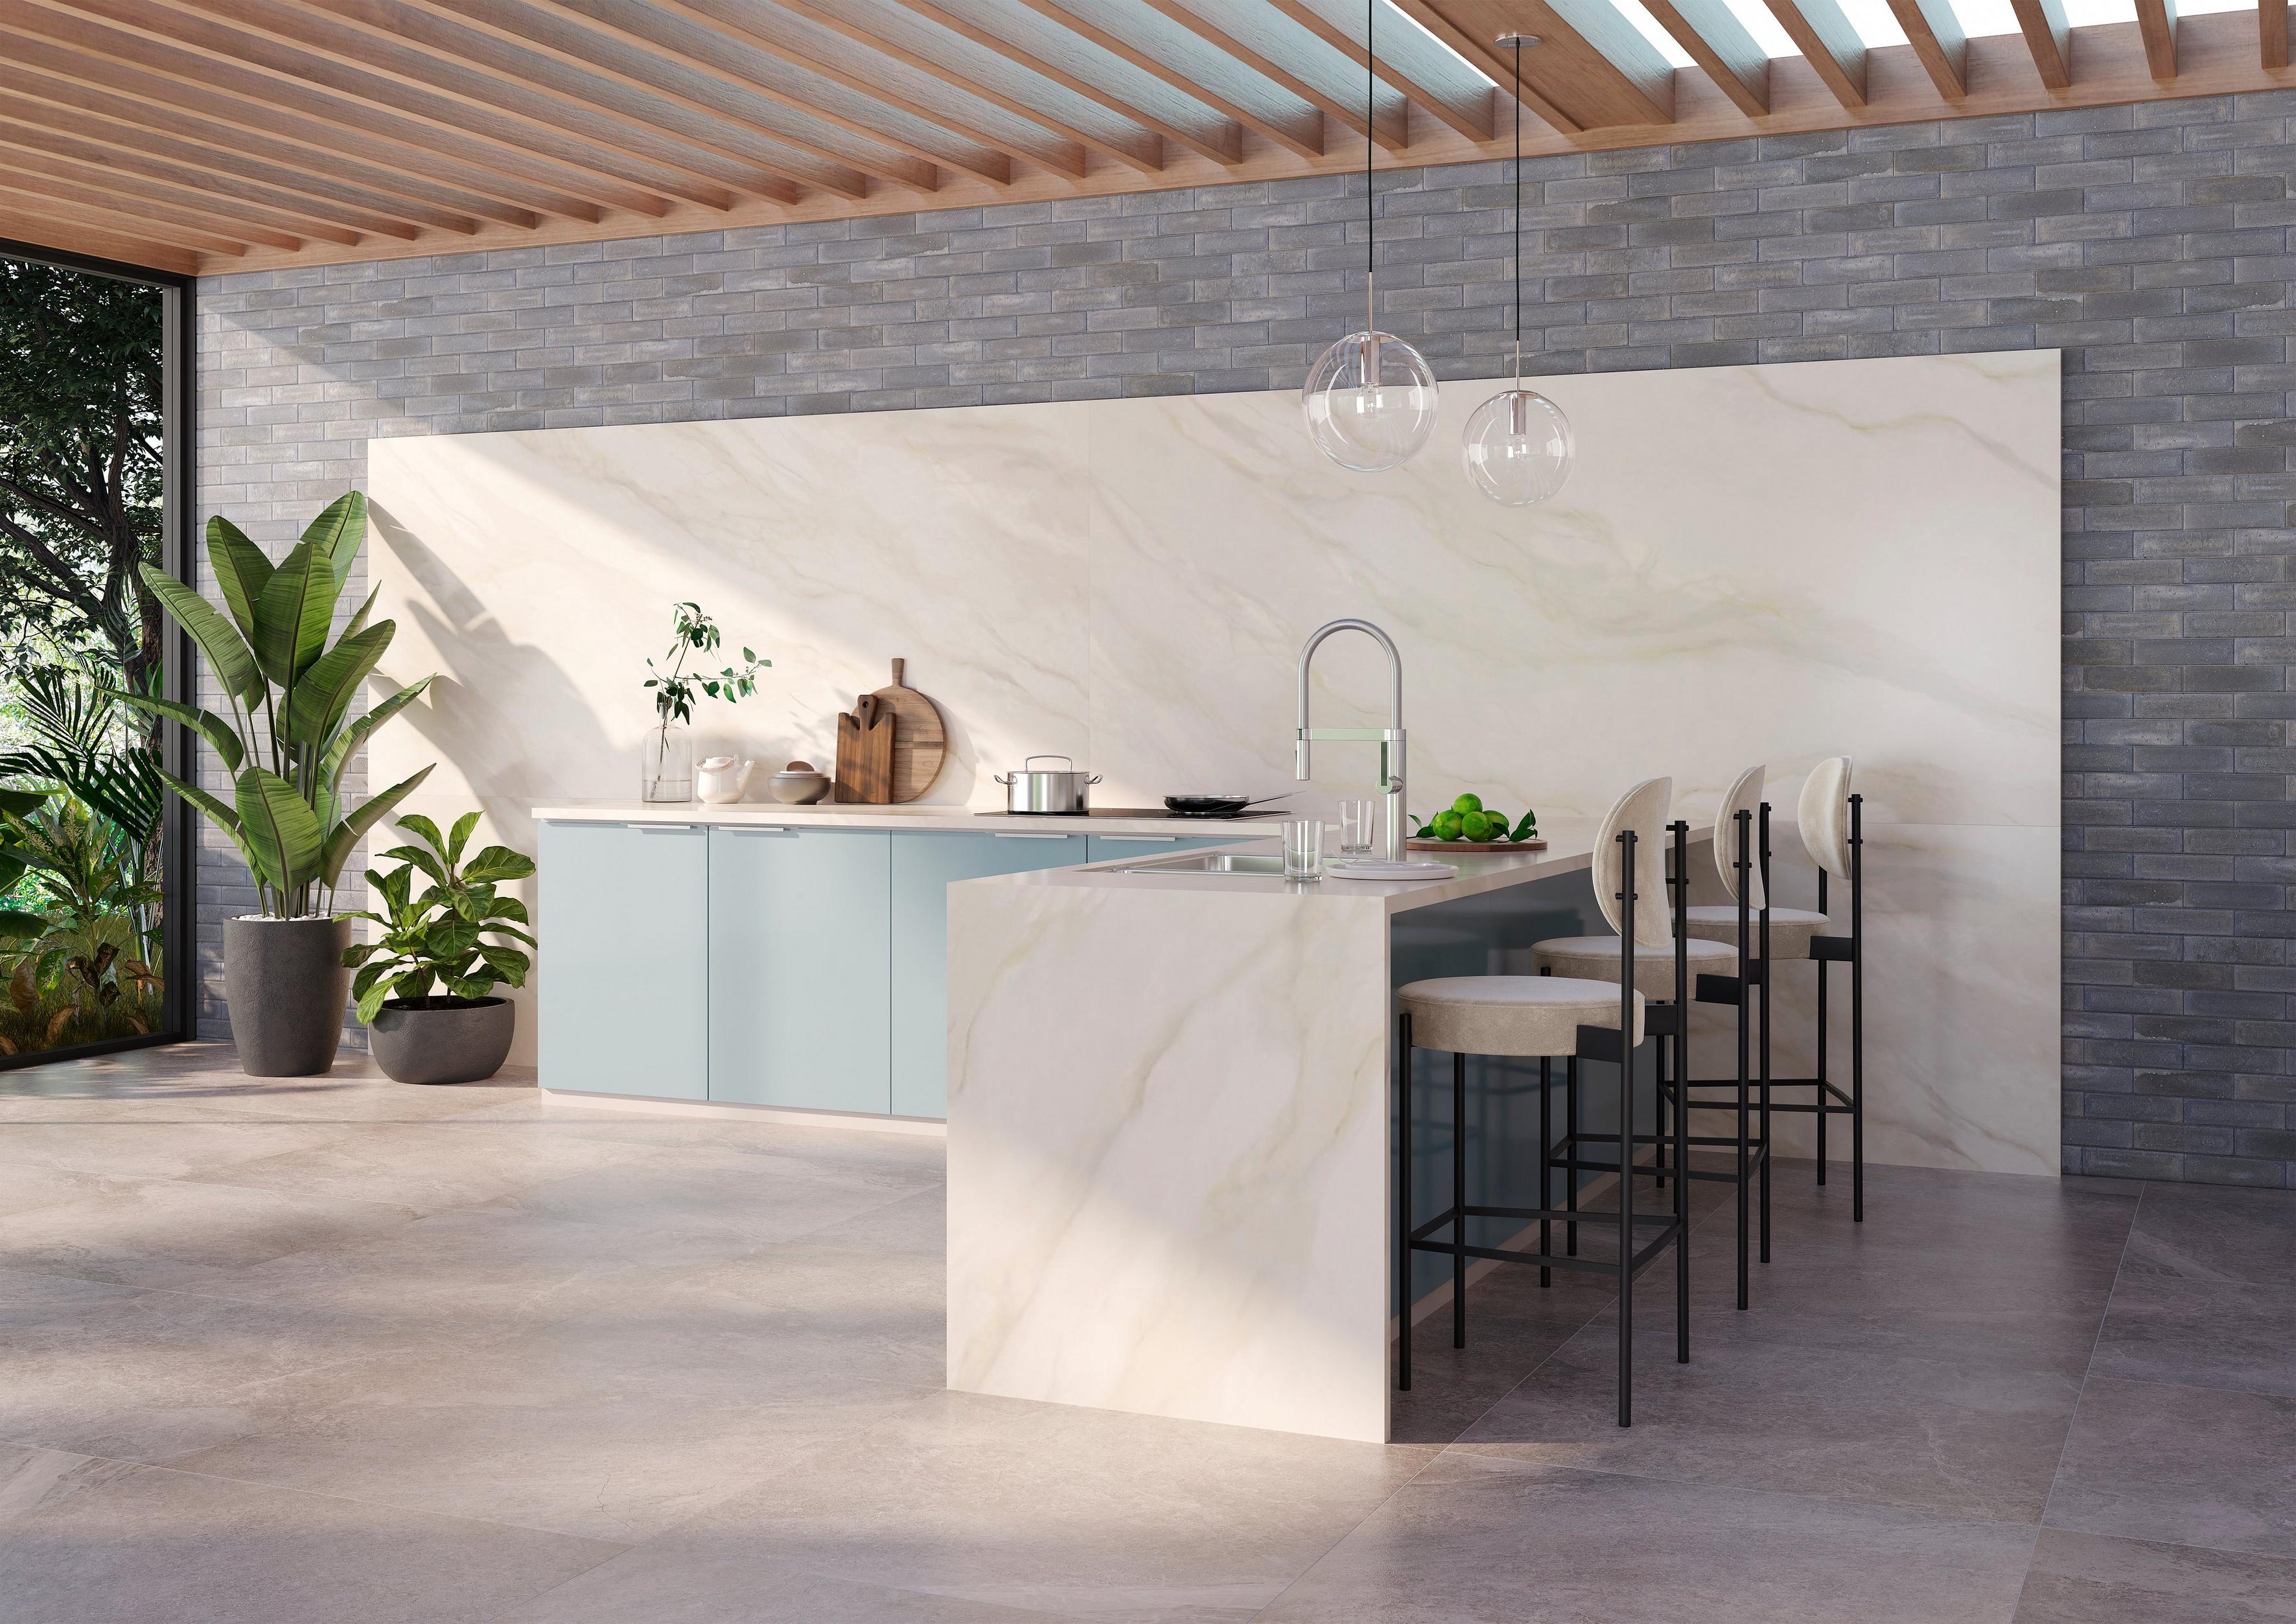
(799, 1002)
(1111, 848)
(925, 866)
(624, 911)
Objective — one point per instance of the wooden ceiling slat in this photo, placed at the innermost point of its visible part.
(1143, 152)
(1483, 55)
(253, 109)
(2272, 32)
(1391, 127)
(454, 91)
(1223, 143)
(2042, 22)
(592, 50)
(177, 170)
(1719, 44)
(117, 215)
(1936, 35)
(1470, 113)
(1304, 136)
(627, 183)
(113, 198)
(38, 228)
(1829, 43)
(219, 149)
(34, 148)
(989, 159)
(2156, 21)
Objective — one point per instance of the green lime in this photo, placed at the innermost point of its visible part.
(1447, 826)
(1470, 802)
(1498, 821)
(1475, 826)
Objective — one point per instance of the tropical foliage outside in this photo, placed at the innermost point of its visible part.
(81, 472)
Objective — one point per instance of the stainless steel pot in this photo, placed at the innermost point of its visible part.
(1033, 789)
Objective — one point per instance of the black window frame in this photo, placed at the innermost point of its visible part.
(179, 888)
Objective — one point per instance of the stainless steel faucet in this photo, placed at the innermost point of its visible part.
(1390, 739)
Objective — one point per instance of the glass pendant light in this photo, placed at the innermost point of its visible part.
(1370, 399)
(1518, 446)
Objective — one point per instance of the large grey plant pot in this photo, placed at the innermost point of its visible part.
(462, 1043)
(287, 989)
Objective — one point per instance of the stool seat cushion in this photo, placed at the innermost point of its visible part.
(1510, 1014)
(1595, 959)
(1791, 928)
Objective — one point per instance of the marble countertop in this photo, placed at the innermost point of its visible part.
(941, 818)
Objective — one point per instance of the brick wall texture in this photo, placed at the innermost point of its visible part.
(2149, 243)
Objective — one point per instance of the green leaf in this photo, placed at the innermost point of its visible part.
(241, 570)
(461, 837)
(219, 734)
(424, 829)
(508, 964)
(15, 922)
(321, 694)
(506, 907)
(227, 652)
(337, 535)
(415, 857)
(292, 616)
(23, 803)
(370, 1000)
(357, 622)
(338, 753)
(497, 863)
(280, 829)
(355, 826)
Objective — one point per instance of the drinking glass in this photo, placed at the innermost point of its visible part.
(1303, 848)
(1358, 823)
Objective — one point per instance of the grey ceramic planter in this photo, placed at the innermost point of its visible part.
(460, 1043)
(288, 989)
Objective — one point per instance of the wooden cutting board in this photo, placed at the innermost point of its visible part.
(920, 741)
(864, 753)
(1535, 843)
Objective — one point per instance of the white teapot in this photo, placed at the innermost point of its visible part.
(721, 778)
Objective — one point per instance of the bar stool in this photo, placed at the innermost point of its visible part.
(1832, 823)
(1666, 958)
(1539, 1016)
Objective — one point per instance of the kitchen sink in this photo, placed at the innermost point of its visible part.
(1211, 862)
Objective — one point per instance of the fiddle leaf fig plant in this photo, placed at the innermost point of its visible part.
(289, 734)
(441, 937)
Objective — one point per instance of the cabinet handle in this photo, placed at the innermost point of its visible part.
(1001, 835)
(756, 829)
(1142, 838)
(663, 828)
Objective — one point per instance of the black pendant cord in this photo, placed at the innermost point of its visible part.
(1518, 214)
(1371, 112)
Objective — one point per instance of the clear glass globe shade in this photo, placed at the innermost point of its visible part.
(1517, 447)
(1369, 401)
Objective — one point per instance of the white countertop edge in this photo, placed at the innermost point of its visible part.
(936, 819)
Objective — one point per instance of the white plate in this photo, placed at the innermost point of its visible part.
(1372, 868)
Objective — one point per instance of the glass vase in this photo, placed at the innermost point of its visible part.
(666, 771)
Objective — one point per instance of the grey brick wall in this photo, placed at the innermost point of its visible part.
(2150, 242)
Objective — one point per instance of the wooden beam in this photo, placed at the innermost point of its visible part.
(1302, 135)
(19, 192)
(30, 153)
(2046, 37)
(1390, 127)
(1483, 56)
(154, 35)
(2272, 32)
(1718, 43)
(1935, 34)
(1473, 114)
(1223, 143)
(590, 50)
(45, 230)
(1832, 46)
(28, 172)
(1141, 149)
(216, 96)
(2156, 21)
(35, 132)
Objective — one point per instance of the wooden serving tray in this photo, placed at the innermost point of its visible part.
(1537, 842)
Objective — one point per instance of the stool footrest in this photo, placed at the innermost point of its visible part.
(1672, 1236)
(1834, 950)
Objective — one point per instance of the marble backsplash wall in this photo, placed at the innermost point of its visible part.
(1768, 563)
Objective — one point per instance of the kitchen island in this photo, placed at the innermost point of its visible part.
(1171, 1119)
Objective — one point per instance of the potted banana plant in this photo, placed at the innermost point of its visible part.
(284, 746)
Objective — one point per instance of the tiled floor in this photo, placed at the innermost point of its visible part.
(340, 1350)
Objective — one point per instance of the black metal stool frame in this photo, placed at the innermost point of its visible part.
(1595, 1043)
(1827, 1099)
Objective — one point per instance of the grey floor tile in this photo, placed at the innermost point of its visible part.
(729, 1584)
(2086, 1579)
(151, 1546)
(2200, 1332)
(2206, 1233)
(1480, 1541)
(2189, 1466)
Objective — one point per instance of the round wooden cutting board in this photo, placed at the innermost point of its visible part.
(920, 741)
(1535, 843)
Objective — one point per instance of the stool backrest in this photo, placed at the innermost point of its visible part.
(1744, 796)
(1823, 815)
(1644, 810)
